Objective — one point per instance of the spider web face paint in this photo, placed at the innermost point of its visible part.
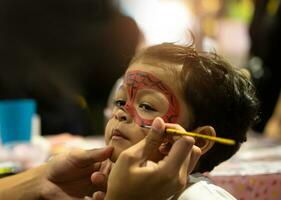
(137, 80)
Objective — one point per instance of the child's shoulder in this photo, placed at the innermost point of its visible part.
(201, 187)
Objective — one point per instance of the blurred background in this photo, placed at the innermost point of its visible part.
(67, 54)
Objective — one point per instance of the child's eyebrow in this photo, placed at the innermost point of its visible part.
(119, 91)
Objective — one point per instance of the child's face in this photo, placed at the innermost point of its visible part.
(146, 93)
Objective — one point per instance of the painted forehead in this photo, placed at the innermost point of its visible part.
(137, 80)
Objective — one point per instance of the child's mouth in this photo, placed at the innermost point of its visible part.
(117, 135)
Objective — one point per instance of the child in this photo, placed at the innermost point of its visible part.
(199, 91)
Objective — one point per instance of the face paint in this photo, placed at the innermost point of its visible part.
(137, 80)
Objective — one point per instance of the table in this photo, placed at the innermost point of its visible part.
(22, 156)
(254, 172)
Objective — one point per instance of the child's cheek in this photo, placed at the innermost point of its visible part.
(106, 140)
(107, 135)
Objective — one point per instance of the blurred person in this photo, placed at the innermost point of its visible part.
(58, 106)
(265, 31)
(273, 125)
(84, 44)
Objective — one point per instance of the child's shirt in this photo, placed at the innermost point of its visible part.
(202, 188)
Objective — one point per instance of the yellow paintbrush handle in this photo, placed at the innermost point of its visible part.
(216, 139)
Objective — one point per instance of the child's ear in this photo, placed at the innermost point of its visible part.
(203, 144)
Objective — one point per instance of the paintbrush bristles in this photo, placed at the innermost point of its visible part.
(198, 135)
(145, 126)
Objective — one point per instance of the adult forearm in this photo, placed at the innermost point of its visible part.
(26, 185)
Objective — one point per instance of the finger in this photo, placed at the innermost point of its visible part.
(195, 156)
(165, 147)
(106, 167)
(174, 126)
(190, 162)
(97, 166)
(99, 181)
(84, 158)
(154, 138)
(169, 138)
(178, 154)
(99, 195)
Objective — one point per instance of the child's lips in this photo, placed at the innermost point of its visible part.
(117, 135)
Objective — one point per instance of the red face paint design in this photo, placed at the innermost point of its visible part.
(137, 80)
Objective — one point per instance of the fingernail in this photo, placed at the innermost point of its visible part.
(156, 125)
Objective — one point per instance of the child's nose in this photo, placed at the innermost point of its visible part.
(122, 115)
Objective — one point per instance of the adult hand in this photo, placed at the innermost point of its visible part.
(68, 176)
(134, 176)
(100, 178)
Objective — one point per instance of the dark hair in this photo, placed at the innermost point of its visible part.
(219, 95)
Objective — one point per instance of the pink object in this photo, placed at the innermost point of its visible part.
(256, 187)
(254, 173)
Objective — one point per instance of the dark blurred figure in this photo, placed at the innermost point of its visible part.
(265, 34)
(59, 107)
(80, 46)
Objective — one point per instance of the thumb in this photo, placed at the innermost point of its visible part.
(151, 142)
(155, 136)
(85, 158)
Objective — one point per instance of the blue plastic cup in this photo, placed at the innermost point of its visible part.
(16, 120)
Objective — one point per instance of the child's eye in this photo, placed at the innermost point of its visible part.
(146, 107)
(119, 103)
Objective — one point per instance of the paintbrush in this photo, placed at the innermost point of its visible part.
(198, 135)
